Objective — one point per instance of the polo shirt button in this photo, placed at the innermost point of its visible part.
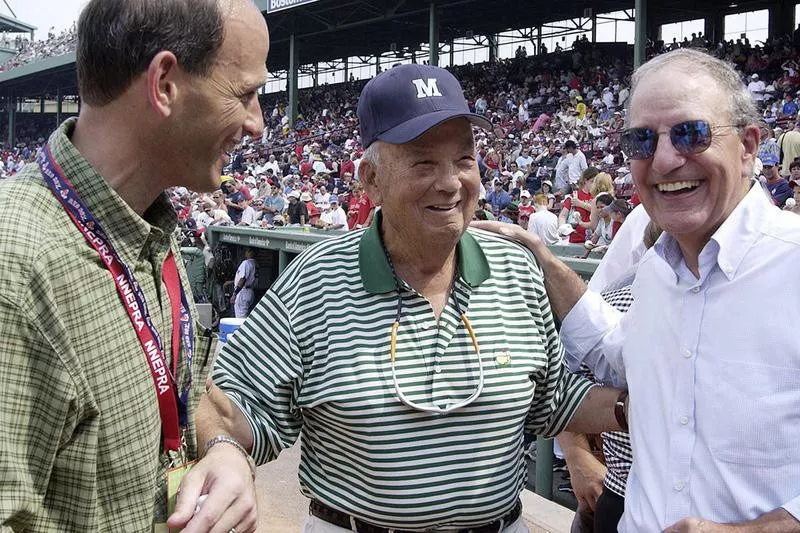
(687, 354)
(695, 290)
(684, 420)
(679, 486)
(437, 369)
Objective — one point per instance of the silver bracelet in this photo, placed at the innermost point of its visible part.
(235, 443)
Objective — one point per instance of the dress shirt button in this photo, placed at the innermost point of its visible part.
(684, 420)
(727, 269)
(678, 486)
(687, 354)
(695, 290)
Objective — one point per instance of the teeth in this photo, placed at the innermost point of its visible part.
(677, 186)
(444, 207)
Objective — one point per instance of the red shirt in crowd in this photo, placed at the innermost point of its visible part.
(579, 235)
(359, 211)
(347, 166)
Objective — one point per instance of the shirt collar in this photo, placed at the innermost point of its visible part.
(729, 244)
(376, 275)
(130, 234)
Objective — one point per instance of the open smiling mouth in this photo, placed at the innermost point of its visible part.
(678, 187)
(444, 207)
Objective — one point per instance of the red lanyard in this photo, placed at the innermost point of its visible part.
(172, 408)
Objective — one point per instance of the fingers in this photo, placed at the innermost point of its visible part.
(188, 497)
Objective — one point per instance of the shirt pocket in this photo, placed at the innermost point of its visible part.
(753, 414)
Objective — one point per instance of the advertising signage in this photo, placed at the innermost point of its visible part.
(274, 6)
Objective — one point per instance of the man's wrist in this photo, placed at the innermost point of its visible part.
(226, 439)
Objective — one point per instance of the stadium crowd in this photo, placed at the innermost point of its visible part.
(553, 158)
(29, 51)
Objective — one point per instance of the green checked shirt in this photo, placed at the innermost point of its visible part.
(314, 359)
(81, 432)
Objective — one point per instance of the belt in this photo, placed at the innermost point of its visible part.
(344, 520)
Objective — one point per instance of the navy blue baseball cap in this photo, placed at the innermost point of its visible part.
(402, 103)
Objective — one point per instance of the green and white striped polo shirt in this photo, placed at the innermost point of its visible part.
(313, 359)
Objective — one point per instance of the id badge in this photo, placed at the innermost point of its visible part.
(174, 478)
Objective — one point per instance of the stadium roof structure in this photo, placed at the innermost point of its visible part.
(327, 30)
(12, 25)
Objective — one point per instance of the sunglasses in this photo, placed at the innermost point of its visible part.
(689, 138)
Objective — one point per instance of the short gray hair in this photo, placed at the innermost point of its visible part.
(373, 154)
(740, 104)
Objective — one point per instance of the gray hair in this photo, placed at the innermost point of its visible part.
(117, 40)
(740, 104)
(373, 154)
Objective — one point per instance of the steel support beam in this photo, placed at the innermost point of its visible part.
(640, 40)
(294, 67)
(12, 115)
(433, 30)
(59, 105)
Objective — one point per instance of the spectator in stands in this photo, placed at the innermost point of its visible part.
(789, 143)
(547, 191)
(334, 217)
(234, 199)
(498, 197)
(777, 186)
(297, 211)
(577, 163)
(89, 426)
(274, 204)
(576, 209)
(420, 260)
(768, 146)
(688, 427)
(362, 210)
(603, 231)
(543, 222)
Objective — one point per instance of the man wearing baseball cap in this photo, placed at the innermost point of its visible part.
(387, 350)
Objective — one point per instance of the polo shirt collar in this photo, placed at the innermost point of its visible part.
(376, 274)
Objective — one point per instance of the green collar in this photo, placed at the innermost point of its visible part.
(376, 275)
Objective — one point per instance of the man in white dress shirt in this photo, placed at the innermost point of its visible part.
(713, 377)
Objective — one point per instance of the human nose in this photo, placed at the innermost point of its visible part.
(254, 120)
(666, 158)
(450, 180)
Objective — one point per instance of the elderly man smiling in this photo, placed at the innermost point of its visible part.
(715, 403)
(386, 348)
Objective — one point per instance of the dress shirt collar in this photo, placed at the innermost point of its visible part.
(729, 244)
(376, 275)
(130, 234)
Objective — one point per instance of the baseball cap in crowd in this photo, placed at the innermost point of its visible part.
(548, 183)
(525, 194)
(305, 197)
(794, 183)
(754, 77)
(294, 194)
(404, 102)
(333, 199)
(770, 159)
(565, 230)
(619, 205)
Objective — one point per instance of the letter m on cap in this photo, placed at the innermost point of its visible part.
(427, 89)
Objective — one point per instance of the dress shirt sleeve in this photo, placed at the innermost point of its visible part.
(793, 508)
(38, 416)
(593, 334)
(260, 370)
(557, 392)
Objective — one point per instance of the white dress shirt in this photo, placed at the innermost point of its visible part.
(713, 371)
(625, 251)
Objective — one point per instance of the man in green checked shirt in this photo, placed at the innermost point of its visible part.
(389, 351)
(96, 403)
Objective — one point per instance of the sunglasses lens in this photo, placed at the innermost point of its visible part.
(691, 137)
(638, 143)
